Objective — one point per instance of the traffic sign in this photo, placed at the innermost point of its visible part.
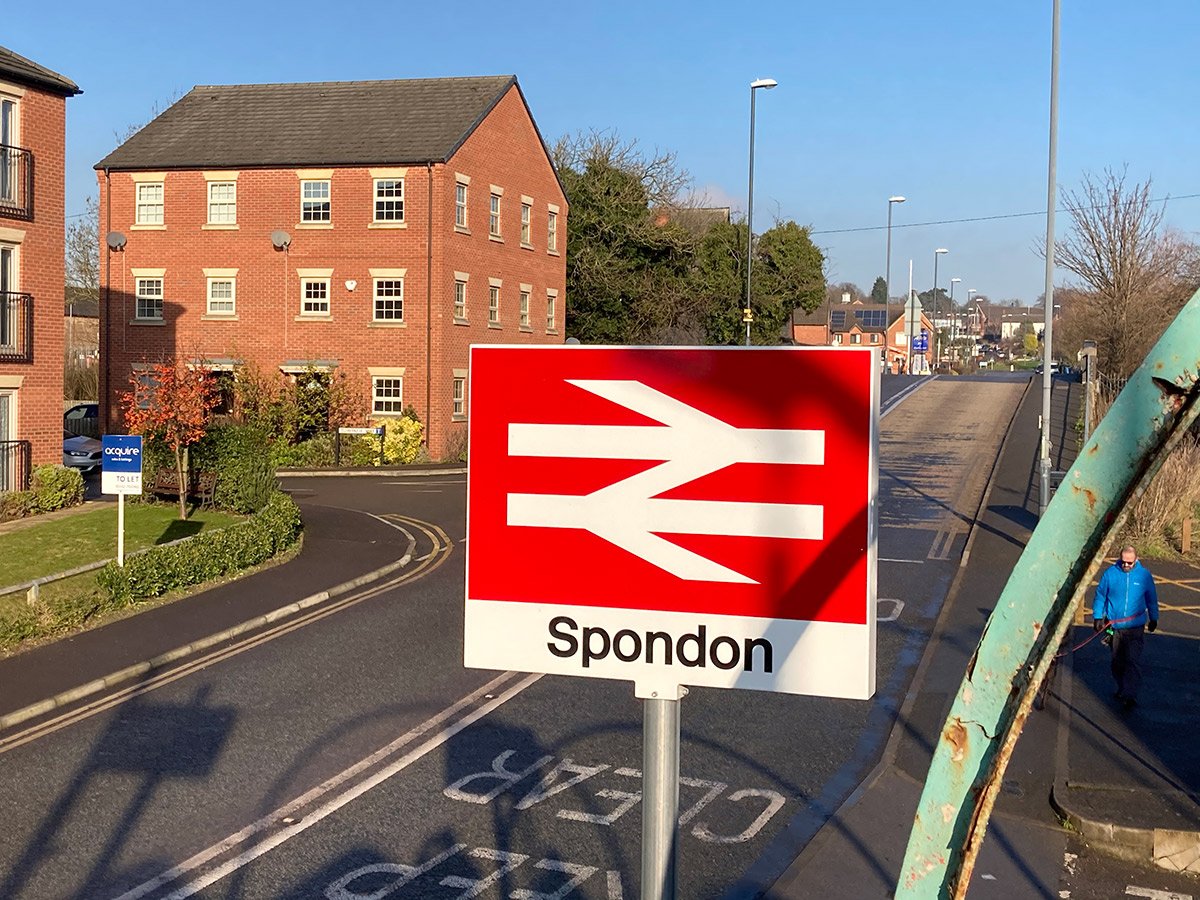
(701, 516)
(121, 464)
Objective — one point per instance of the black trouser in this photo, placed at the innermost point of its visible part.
(1126, 653)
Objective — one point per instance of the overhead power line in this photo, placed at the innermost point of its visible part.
(1021, 215)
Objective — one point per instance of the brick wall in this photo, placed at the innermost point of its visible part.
(40, 273)
(268, 327)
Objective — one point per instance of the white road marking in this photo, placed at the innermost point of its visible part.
(897, 608)
(774, 803)
(1152, 894)
(273, 819)
(614, 886)
(916, 562)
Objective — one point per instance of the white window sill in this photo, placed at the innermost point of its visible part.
(496, 325)
(528, 329)
(387, 225)
(219, 226)
(314, 317)
(219, 317)
(525, 246)
(399, 323)
(551, 331)
(147, 227)
(314, 226)
(461, 321)
(496, 238)
(458, 417)
(147, 322)
(462, 229)
(552, 253)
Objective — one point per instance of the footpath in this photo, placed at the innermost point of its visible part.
(1128, 782)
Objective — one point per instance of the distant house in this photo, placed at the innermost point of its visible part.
(81, 319)
(32, 225)
(860, 324)
(375, 228)
(696, 220)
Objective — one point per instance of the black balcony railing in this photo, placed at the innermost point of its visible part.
(16, 182)
(14, 465)
(16, 328)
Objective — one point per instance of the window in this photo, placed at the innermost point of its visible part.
(856, 338)
(460, 299)
(459, 408)
(314, 201)
(149, 204)
(874, 339)
(524, 320)
(494, 216)
(222, 203)
(389, 199)
(494, 304)
(551, 309)
(8, 158)
(552, 231)
(387, 395)
(460, 205)
(389, 299)
(526, 215)
(314, 296)
(222, 297)
(149, 298)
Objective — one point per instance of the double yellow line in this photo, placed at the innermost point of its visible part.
(441, 547)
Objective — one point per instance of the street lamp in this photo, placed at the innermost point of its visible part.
(887, 272)
(953, 314)
(936, 253)
(747, 315)
(1048, 333)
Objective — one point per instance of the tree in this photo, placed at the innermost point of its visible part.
(171, 402)
(1137, 274)
(835, 292)
(83, 250)
(1030, 342)
(792, 269)
(627, 262)
(879, 291)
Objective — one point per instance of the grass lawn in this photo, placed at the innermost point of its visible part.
(72, 541)
(50, 547)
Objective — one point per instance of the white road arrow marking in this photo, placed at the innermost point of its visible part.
(691, 444)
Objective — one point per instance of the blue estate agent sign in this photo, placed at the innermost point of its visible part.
(121, 464)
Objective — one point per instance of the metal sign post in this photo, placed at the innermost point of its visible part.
(121, 474)
(761, 577)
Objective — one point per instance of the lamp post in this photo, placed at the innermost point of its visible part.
(747, 315)
(936, 253)
(971, 292)
(887, 272)
(953, 314)
(1051, 199)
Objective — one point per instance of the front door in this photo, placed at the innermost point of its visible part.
(9, 449)
(8, 155)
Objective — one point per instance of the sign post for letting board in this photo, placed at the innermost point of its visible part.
(121, 474)
(704, 517)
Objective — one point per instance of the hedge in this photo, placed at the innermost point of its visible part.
(51, 487)
(204, 557)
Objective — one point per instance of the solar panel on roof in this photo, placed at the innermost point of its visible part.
(837, 318)
(873, 318)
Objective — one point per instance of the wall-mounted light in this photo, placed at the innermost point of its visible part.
(351, 284)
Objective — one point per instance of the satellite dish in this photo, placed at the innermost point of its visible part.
(281, 239)
(115, 241)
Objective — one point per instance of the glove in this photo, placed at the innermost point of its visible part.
(1152, 626)
(1099, 624)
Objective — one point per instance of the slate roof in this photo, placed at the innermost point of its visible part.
(18, 68)
(854, 314)
(330, 123)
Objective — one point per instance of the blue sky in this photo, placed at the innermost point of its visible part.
(943, 101)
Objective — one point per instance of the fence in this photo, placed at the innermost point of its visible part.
(15, 459)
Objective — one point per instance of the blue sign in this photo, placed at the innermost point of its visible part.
(921, 343)
(121, 453)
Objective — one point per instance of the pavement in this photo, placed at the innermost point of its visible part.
(1128, 782)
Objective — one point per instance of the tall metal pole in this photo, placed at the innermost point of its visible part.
(887, 271)
(935, 293)
(749, 222)
(1048, 333)
(660, 805)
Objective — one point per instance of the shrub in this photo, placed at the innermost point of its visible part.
(313, 453)
(207, 556)
(401, 442)
(241, 457)
(56, 487)
(17, 504)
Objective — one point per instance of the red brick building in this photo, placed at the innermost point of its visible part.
(33, 103)
(860, 325)
(376, 228)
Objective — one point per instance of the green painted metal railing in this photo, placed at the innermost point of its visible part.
(1153, 412)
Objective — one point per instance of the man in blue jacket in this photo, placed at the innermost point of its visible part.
(1127, 602)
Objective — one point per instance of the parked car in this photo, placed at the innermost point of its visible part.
(84, 419)
(81, 452)
(1055, 369)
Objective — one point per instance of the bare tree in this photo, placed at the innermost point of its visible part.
(666, 185)
(83, 249)
(1136, 273)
